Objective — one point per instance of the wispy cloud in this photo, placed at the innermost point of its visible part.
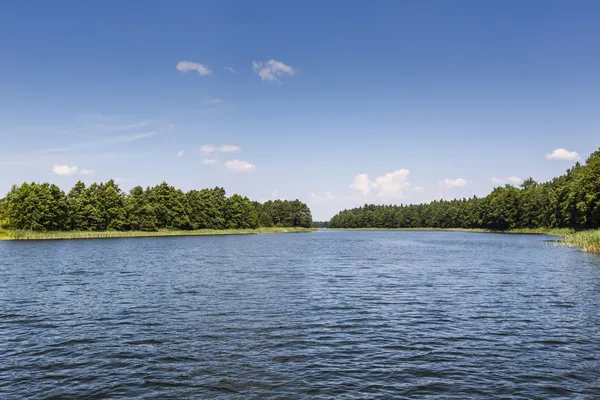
(272, 70)
(563, 154)
(209, 149)
(187, 66)
(514, 180)
(231, 70)
(229, 148)
(171, 127)
(86, 172)
(209, 161)
(127, 127)
(104, 142)
(180, 153)
(214, 101)
(322, 199)
(240, 166)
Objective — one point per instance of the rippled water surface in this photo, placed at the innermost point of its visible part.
(344, 315)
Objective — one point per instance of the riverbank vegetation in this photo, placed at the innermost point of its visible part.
(42, 235)
(589, 241)
(102, 207)
(570, 201)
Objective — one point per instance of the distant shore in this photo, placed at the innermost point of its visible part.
(538, 231)
(63, 235)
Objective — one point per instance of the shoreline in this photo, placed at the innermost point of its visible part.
(588, 241)
(537, 231)
(11, 235)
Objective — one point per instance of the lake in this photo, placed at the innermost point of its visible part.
(329, 314)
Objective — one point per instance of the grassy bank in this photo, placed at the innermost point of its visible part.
(31, 235)
(589, 241)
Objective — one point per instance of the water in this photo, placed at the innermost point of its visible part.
(344, 315)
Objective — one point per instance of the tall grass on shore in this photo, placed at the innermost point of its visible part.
(32, 235)
(589, 241)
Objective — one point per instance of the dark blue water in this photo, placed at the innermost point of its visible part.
(343, 315)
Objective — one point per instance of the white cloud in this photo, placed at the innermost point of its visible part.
(186, 66)
(108, 141)
(208, 161)
(180, 153)
(171, 127)
(213, 101)
(229, 148)
(64, 170)
(361, 183)
(326, 197)
(454, 183)
(135, 125)
(563, 154)
(513, 180)
(231, 70)
(122, 180)
(240, 166)
(391, 185)
(209, 149)
(272, 70)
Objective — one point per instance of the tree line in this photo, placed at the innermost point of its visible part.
(568, 201)
(104, 206)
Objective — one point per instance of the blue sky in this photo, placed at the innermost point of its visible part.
(335, 103)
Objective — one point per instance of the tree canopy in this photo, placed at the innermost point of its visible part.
(568, 201)
(104, 206)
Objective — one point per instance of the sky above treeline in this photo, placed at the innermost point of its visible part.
(335, 103)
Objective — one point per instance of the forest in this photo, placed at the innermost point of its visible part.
(568, 201)
(105, 207)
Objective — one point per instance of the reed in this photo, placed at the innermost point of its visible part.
(33, 235)
(588, 241)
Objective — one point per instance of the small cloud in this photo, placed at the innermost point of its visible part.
(272, 70)
(209, 161)
(563, 154)
(86, 172)
(326, 197)
(240, 166)
(229, 148)
(180, 153)
(171, 127)
(122, 180)
(213, 101)
(64, 170)
(187, 66)
(231, 70)
(208, 149)
(509, 179)
(454, 183)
